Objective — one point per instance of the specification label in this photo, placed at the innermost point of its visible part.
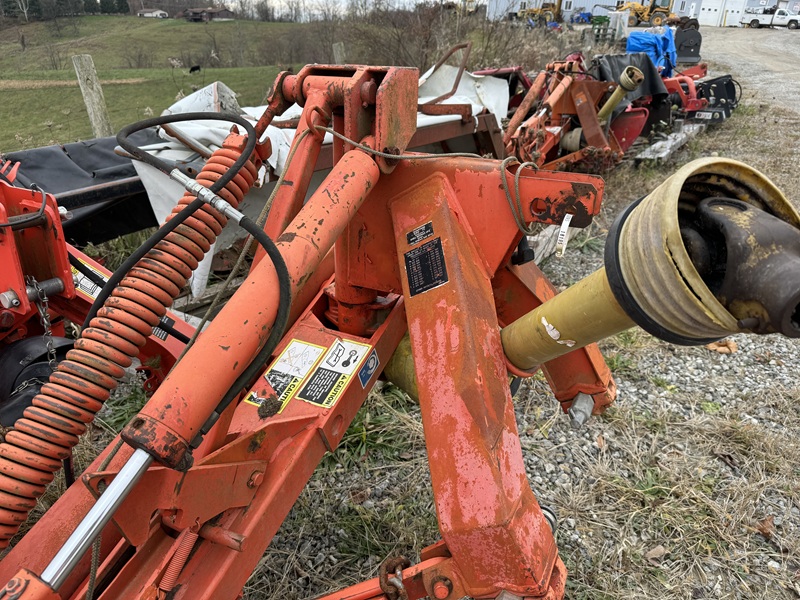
(423, 232)
(425, 267)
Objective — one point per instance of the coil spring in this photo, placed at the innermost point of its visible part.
(178, 561)
(32, 451)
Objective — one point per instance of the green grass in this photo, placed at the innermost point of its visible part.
(115, 41)
(34, 118)
(42, 114)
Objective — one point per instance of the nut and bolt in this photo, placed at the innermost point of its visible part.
(255, 479)
(9, 299)
(581, 410)
(442, 588)
(6, 320)
(369, 92)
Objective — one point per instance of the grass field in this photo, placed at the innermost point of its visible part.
(42, 103)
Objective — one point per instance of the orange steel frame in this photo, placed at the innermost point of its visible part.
(421, 246)
(565, 93)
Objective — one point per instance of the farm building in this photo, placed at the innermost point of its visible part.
(203, 15)
(153, 13)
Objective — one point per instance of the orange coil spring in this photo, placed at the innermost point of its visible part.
(177, 561)
(31, 453)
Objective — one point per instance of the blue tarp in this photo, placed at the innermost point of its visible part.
(659, 47)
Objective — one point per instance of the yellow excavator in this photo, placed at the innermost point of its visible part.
(653, 14)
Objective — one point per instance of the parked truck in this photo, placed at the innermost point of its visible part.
(769, 17)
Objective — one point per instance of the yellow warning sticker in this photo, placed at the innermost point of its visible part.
(85, 286)
(289, 371)
(333, 373)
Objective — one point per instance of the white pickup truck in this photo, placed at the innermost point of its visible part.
(759, 17)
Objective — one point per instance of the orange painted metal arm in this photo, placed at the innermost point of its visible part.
(166, 426)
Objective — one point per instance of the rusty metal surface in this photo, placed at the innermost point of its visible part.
(467, 412)
(435, 231)
(750, 260)
(187, 397)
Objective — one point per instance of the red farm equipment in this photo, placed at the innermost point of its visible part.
(392, 246)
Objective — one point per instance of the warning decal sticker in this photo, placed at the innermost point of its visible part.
(85, 286)
(333, 373)
(425, 267)
(369, 368)
(289, 370)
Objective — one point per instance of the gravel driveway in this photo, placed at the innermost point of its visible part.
(767, 59)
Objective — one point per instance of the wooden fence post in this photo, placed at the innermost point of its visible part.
(92, 95)
(338, 53)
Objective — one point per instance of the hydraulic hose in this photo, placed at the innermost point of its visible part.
(218, 178)
(123, 317)
(275, 335)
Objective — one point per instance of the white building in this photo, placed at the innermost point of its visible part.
(153, 13)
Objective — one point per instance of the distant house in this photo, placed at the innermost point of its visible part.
(153, 13)
(203, 15)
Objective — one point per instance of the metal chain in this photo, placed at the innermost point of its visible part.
(390, 577)
(27, 383)
(42, 305)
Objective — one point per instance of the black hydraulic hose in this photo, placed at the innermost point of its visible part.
(178, 219)
(92, 276)
(134, 150)
(275, 335)
(26, 221)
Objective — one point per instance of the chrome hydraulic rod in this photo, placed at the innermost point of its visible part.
(56, 573)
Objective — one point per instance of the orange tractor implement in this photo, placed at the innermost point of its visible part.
(394, 250)
(570, 125)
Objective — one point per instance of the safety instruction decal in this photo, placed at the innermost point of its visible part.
(425, 267)
(366, 372)
(333, 373)
(289, 370)
(85, 286)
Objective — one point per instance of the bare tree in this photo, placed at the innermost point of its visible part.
(358, 9)
(244, 9)
(265, 10)
(293, 11)
(23, 6)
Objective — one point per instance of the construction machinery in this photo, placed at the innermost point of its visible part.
(548, 12)
(653, 14)
(399, 263)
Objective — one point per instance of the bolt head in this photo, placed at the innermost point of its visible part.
(442, 588)
(255, 480)
(6, 320)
